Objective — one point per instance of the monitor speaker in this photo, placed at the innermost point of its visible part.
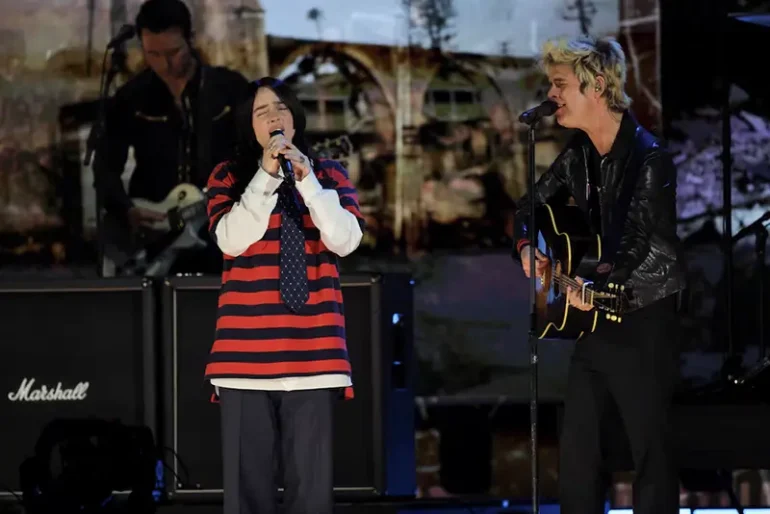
(374, 444)
(73, 350)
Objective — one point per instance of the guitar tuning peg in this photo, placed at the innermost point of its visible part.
(608, 315)
(611, 285)
(614, 318)
(620, 319)
(622, 288)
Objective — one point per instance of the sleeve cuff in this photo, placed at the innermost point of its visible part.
(309, 187)
(264, 184)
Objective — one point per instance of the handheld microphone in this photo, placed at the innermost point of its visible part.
(125, 33)
(288, 171)
(535, 114)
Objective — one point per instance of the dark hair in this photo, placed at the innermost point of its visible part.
(161, 15)
(248, 152)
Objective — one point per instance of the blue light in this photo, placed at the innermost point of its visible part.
(396, 318)
(160, 484)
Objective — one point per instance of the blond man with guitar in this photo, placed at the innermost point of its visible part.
(607, 244)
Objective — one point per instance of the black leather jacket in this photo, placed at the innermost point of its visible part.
(648, 258)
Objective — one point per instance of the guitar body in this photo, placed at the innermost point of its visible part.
(184, 208)
(565, 237)
(183, 196)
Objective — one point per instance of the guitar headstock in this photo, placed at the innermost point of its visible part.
(614, 302)
(338, 148)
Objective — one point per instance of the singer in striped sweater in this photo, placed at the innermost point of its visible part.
(282, 220)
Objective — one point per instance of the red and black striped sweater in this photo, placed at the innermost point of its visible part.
(259, 342)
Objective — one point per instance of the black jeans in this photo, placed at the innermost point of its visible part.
(257, 426)
(635, 365)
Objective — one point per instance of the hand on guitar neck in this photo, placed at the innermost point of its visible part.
(574, 295)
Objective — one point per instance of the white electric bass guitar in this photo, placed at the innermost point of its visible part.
(184, 209)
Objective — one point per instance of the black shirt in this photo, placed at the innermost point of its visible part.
(167, 139)
(593, 187)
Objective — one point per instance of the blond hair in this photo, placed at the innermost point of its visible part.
(589, 58)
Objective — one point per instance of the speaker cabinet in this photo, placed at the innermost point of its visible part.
(73, 349)
(374, 432)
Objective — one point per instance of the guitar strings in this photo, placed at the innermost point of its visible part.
(564, 280)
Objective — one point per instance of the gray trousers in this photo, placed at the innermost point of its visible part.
(277, 438)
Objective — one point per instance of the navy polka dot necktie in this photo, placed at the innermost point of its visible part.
(293, 264)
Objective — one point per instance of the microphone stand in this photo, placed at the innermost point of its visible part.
(96, 140)
(530, 118)
(533, 355)
(759, 229)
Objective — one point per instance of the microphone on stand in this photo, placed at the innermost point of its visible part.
(125, 33)
(530, 118)
(288, 171)
(97, 135)
(535, 114)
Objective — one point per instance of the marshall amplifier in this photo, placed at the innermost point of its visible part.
(374, 432)
(80, 349)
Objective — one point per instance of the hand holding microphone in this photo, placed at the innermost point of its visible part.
(280, 153)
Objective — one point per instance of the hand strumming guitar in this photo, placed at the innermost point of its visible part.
(541, 263)
(139, 217)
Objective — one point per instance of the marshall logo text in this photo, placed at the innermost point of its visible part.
(43, 393)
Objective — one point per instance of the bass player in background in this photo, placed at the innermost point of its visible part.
(624, 181)
(178, 115)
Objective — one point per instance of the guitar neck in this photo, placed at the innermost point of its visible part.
(591, 296)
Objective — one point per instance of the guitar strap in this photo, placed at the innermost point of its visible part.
(610, 244)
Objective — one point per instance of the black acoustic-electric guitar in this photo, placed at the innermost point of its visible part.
(566, 239)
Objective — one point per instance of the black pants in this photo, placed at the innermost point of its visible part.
(629, 368)
(257, 427)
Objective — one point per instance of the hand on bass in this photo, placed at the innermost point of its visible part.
(140, 217)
